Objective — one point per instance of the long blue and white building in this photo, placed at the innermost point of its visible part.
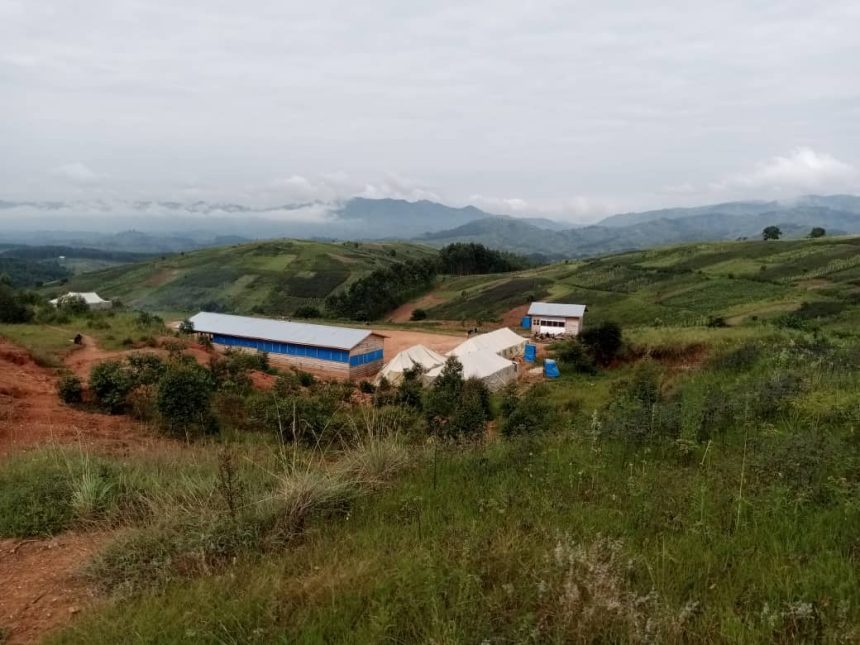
(335, 351)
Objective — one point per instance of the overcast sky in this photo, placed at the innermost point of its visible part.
(574, 109)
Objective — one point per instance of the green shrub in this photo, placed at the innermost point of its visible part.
(146, 369)
(110, 383)
(70, 389)
(183, 400)
(307, 311)
(574, 356)
(418, 314)
(526, 414)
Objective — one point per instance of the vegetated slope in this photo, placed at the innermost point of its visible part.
(686, 285)
(27, 266)
(273, 277)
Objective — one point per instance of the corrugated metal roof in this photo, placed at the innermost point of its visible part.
(556, 309)
(279, 330)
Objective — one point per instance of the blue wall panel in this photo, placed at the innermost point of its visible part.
(323, 353)
(364, 359)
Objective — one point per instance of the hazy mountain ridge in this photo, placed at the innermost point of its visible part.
(670, 226)
(169, 226)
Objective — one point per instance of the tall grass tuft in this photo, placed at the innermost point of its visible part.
(302, 491)
(92, 493)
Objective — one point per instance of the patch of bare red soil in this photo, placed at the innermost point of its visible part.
(404, 312)
(42, 585)
(31, 414)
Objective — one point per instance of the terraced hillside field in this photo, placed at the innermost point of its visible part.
(272, 277)
(680, 285)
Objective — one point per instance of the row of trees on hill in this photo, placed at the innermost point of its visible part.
(470, 258)
(389, 287)
(774, 233)
(382, 290)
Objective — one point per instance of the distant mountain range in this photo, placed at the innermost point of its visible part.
(164, 227)
(837, 214)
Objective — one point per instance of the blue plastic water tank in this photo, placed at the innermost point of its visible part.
(550, 369)
(530, 353)
(526, 322)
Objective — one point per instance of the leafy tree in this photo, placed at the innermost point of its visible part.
(184, 396)
(603, 342)
(186, 327)
(472, 412)
(418, 314)
(771, 233)
(457, 408)
(409, 390)
(73, 305)
(13, 308)
(444, 395)
(817, 231)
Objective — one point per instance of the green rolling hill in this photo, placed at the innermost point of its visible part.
(687, 285)
(678, 285)
(273, 277)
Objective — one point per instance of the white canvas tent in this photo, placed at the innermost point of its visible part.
(406, 360)
(503, 342)
(91, 298)
(487, 366)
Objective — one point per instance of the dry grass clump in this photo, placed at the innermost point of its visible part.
(303, 491)
(587, 591)
(374, 462)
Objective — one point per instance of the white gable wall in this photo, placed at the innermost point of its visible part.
(555, 325)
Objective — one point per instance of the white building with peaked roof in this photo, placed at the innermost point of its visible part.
(334, 351)
(556, 318)
(91, 298)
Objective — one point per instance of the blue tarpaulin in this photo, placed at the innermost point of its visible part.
(526, 322)
(550, 369)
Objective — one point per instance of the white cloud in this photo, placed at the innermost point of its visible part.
(394, 186)
(801, 170)
(76, 172)
(500, 205)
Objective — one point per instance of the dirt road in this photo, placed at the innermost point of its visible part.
(396, 340)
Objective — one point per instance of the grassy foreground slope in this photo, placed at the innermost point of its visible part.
(272, 277)
(704, 488)
(679, 285)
